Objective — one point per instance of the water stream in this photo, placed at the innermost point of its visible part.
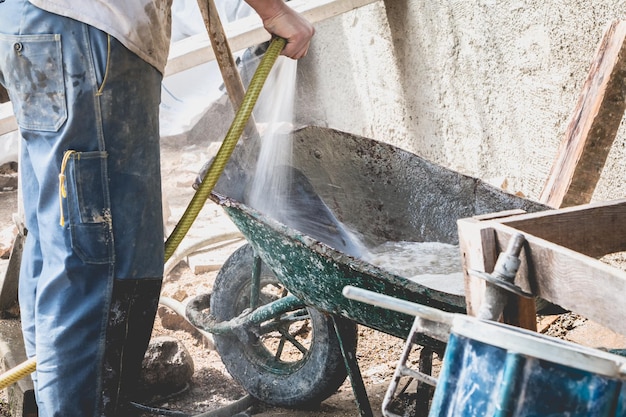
(274, 116)
(284, 193)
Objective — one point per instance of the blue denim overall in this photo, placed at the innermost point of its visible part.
(87, 109)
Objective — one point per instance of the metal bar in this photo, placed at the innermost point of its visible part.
(258, 316)
(396, 304)
(352, 366)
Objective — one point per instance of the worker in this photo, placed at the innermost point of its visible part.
(84, 78)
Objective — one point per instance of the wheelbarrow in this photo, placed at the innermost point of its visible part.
(280, 322)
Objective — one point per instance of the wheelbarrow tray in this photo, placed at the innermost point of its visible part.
(384, 194)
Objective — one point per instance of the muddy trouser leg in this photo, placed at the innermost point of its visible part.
(97, 241)
(133, 307)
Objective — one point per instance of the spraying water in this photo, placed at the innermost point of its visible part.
(278, 189)
(271, 179)
(283, 192)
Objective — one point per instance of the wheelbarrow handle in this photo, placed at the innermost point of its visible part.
(399, 305)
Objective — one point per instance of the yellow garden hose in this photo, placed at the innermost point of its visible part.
(227, 148)
(15, 374)
(204, 190)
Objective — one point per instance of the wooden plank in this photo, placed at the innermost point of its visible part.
(7, 119)
(570, 279)
(225, 60)
(196, 50)
(594, 229)
(591, 132)
(521, 312)
(561, 266)
(479, 251)
(222, 51)
(518, 311)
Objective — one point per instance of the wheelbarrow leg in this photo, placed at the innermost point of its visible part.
(354, 373)
(424, 390)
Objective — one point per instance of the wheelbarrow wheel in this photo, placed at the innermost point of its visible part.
(292, 361)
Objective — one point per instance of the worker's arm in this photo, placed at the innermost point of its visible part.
(281, 20)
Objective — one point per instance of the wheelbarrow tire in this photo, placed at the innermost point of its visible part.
(301, 384)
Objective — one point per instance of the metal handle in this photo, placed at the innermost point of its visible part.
(396, 304)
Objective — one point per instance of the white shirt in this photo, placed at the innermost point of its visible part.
(143, 26)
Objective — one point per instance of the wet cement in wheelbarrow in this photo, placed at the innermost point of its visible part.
(211, 385)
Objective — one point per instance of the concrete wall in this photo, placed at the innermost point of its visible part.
(481, 86)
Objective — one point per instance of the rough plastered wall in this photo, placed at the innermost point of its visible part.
(482, 87)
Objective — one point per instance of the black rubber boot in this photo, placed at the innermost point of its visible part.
(131, 317)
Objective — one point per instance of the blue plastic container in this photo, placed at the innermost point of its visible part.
(495, 370)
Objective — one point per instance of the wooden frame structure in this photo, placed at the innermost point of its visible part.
(560, 259)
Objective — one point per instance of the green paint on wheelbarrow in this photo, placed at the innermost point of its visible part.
(316, 274)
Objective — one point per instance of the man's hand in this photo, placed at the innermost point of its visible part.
(281, 20)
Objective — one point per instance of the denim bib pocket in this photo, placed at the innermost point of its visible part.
(88, 206)
(32, 69)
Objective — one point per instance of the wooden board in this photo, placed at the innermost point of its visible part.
(593, 229)
(479, 251)
(196, 50)
(572, 280)
(222, 52)
(591, 132)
